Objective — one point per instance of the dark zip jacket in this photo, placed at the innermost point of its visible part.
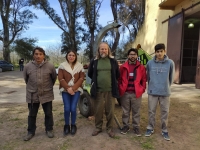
(92, 73)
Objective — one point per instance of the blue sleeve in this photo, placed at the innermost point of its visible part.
(147, 70)
(171, 72)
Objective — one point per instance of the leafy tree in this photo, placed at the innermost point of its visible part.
(69, 25)
(90, 14)
(15, 17)
(24, 47)
(54, 53)
(131, 15)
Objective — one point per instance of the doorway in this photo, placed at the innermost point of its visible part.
(190, 48)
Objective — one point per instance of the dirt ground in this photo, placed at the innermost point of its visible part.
(183, 125)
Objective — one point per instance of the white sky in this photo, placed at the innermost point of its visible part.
(48, 33)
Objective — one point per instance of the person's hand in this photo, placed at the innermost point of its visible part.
(70, 91)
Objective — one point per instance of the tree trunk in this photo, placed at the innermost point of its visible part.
(91, 43)
(6, 50)
(6, 53)
(116, 42)
(113, 4)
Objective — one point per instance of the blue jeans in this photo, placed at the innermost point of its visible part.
(70, 104)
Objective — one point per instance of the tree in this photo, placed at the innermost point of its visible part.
(54, 53)
(1, 50)
(131, 15)
(69, 25)
(24, 47)
(90, 10)
(116, 35)
(15, 17)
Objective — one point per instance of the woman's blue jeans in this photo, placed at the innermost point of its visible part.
(70, 104)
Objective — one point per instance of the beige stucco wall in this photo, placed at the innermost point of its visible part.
(153, 30)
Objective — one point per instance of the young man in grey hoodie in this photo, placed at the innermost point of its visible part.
(160, 72)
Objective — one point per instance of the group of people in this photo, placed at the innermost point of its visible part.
(40, 77)
(126, 83)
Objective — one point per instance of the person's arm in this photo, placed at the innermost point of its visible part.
(25, 74)
(80, 81)
(148, 74)
(53, 75)
(117, 70)
(120, 79)
(144, 78)
(61, 80)
(171, 73)
(123, 79)
(90, 69)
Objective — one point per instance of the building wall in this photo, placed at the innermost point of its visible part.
(153, 30)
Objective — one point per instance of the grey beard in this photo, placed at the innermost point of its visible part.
(103, 55)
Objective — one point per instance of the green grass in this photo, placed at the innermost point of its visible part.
(16, 67)
(14, 119)
(117, 138)
(147, 144)
(65, 145)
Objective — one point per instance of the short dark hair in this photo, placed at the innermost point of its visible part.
(159, 46)
(39, 49)
(132, 49)
(75, 53)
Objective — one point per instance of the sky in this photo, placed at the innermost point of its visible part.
(49, 34)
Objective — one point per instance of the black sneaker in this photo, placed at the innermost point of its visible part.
(137, 132)
(125, 130)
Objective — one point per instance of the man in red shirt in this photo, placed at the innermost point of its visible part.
(132, 84)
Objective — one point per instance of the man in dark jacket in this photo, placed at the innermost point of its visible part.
(104, 72)
(21, 64)
(40, 77)
(132, 84)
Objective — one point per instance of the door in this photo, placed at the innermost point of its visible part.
(174, 43)
(197, 81)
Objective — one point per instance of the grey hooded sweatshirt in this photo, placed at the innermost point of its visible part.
(160, 76)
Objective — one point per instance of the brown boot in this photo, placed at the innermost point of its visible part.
(111, 134)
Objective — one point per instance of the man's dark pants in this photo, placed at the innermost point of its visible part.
(33, 110)
(21, 67)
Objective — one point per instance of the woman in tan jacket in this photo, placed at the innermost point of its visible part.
(71, 76)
